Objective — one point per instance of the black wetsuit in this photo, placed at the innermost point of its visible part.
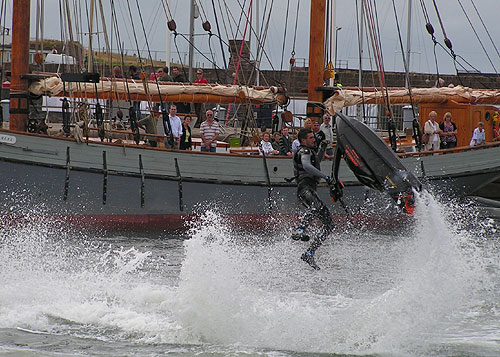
(306, 163)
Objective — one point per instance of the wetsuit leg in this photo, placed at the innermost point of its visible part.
(316, 209)
(326, 218)
(306, 198)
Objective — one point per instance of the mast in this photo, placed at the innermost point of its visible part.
(191, 39)
(20, 65)
(91, 28)
(168, 45)
(408, 48)
(360, 43)
(316, 58)
(333, 42)
(257, 40)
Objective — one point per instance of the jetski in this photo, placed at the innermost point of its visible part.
(373, 162)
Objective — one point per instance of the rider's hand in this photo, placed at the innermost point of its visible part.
(336, 189)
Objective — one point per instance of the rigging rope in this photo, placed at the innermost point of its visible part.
(154, 15)
(450, 49)
(372, 20)
(165, 116)
(198, 50)
(120, 48)
(284, 38)
(430, 30)
(166, 8)
(417, 134)
(220, 42)
(326, 48)
(295, 29)
(477, 36)
(241, 15)
(3, 13)
(239, 58)
(359, 24)
(260, 44)
(135, 36)
(485, 28)
(405, 63)
(204, 17)
(253, 31)
(447, 41)
(264, 38)
(247, 61)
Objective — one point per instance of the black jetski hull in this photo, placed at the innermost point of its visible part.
(372, 161)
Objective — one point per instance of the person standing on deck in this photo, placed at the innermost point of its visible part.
(132, 70)
(296, 143)
(319, 136)
(117, 72)
(178, 77)
(478, 136)
(306, 165)
(164, 76)
(448, 132)
(209, 131)
(431, 128)
(285, 142)
(327, 129)
(186, 138)
(266, 146)
(175, 125)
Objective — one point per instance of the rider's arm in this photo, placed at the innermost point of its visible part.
(308, 167)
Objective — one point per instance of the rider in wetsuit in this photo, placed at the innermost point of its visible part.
(306, 163)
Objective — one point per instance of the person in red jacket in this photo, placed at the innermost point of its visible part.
(199, 77)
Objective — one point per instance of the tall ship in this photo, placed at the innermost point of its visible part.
(126, 184)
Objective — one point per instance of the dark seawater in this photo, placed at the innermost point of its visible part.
(432, 290)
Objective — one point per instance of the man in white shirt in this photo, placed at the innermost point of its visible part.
(175, 126)
(327, 129)
(478, 136)
(209, 132)
(265, 145)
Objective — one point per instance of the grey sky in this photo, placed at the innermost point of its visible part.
(458, 29)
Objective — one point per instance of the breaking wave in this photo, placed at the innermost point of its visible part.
(430, 289)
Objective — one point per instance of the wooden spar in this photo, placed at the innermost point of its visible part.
(170, 92)
(316, 58)
(148, 91)
(177, 98)
(19, 65)
(459, 95)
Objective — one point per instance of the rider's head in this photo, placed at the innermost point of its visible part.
(306, 137)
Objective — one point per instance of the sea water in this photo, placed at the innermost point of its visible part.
(430, 290)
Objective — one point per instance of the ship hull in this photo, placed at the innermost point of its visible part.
(103, 184)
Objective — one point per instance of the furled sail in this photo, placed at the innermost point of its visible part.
(348, 97)
(170, 92)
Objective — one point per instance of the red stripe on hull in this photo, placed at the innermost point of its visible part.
(178, 223)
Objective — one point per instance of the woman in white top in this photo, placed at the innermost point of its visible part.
(266, 147)
(431, 128)
(478, 136)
